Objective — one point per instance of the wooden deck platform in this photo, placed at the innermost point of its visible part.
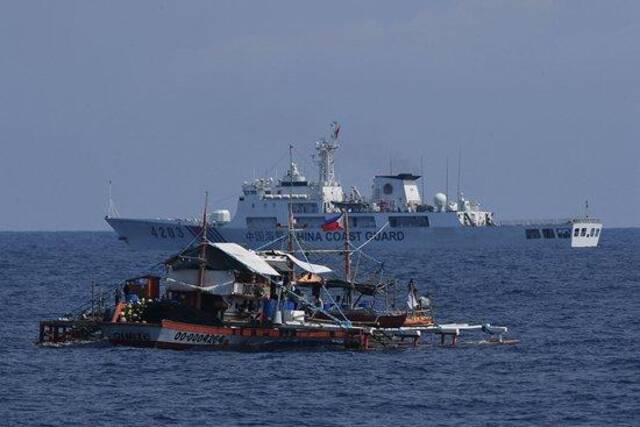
(60, 331)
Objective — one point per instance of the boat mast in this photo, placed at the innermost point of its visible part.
(202, 271)
(290, 213)
(347, 254)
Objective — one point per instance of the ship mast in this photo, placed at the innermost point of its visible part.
(325, 149)
(324, 158)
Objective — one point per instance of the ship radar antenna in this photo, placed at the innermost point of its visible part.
(112, 211)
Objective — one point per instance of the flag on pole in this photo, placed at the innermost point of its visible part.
(334, 223)
(412, 296)
(335, 126)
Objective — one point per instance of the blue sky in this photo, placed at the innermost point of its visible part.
(169, 99)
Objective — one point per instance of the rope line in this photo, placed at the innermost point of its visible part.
(332, 301)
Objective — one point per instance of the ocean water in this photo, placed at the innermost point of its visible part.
(576, 313)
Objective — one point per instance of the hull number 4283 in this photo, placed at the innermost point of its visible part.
(167, 232)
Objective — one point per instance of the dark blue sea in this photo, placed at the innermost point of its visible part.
(575, 312)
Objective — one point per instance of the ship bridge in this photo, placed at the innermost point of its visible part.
(396, 192)
(268, 198)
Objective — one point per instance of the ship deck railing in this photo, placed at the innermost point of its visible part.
(536, 221)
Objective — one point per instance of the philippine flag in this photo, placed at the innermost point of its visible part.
(333, 223)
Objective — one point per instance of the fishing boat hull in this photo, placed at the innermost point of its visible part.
(177, 335)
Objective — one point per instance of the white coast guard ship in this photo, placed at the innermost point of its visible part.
(394, 217)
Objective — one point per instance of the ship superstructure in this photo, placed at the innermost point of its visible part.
(394, 216)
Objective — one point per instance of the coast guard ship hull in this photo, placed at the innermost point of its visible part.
(174, 235)
(394, 217)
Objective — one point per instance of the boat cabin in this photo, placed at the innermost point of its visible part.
(137, 288)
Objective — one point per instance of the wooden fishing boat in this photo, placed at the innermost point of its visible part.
(213, 315)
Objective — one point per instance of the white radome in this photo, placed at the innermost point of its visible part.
(440, 200)
(221, 216)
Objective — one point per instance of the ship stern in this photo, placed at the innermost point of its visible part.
(585, 233)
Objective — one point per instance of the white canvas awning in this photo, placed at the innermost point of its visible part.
(280, 261)
(248, 258)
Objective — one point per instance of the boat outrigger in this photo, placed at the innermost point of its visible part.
(223, 296)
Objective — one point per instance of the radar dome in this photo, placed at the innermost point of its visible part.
(220, 216)
(440, 200)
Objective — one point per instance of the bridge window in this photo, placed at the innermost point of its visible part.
(548, 233)
(304, 208)
(362, 222)
(532, 233)
(583, 232)
(597, 232)
(593, 232)
(576, 232)
(408, 221)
